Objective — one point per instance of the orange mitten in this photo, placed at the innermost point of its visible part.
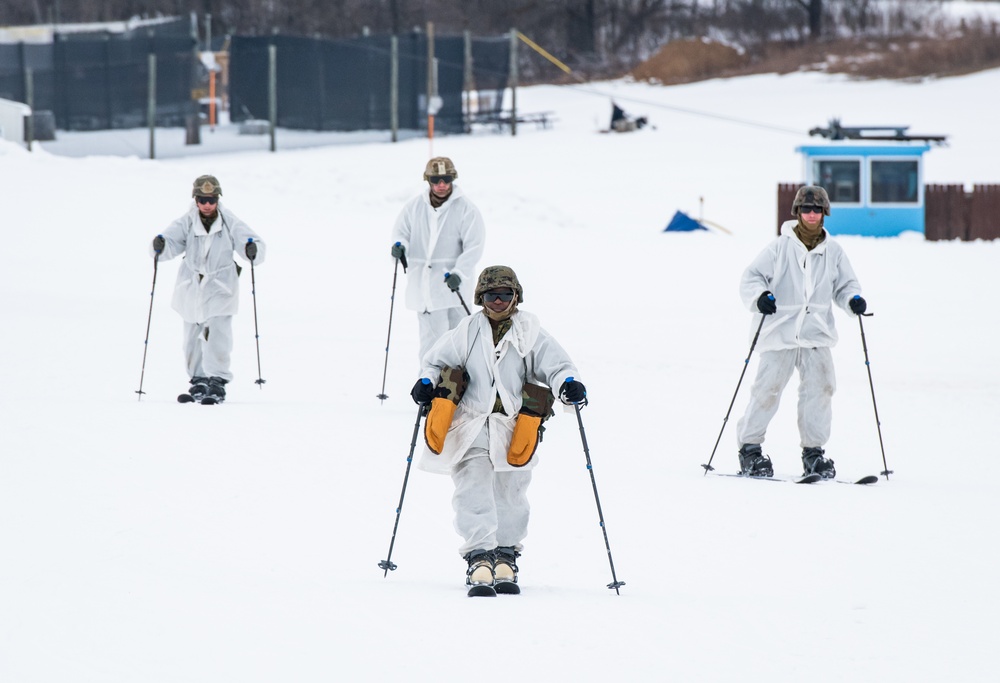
(524, 441)
(438, 423)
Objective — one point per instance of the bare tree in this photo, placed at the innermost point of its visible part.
(814, 8)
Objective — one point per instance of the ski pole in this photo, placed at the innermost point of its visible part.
(615, 583)
(459, 295)
(878, 424)
(149, 320)
(387, 564)
(392, 302)
(708, 467)
(256, 334)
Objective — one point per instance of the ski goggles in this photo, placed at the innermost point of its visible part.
(504, 295)
(207, 200)
(435, 179)
(811, 209)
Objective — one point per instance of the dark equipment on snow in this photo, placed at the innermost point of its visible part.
(392, 302)
(149, 319)
(387, 564)
(878, 424)
(615, 583)
(256, 334)
(623, 123)
(708, 466)
(835, 131)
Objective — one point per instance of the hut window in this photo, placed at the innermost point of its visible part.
(895, 182)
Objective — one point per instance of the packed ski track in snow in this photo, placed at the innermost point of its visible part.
(158, 542)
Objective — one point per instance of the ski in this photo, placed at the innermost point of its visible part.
(482, 592)
(210, 401)
(186, 398)
(506, 588)
(804, 479)
(863, 481)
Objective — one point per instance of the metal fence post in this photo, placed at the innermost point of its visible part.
(272, 91)
(151, 105)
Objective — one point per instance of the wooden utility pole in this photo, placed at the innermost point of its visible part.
(513, 81)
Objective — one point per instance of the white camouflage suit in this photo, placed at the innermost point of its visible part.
(490, 499)
(207, 290)
(805, 285)
(448, 239)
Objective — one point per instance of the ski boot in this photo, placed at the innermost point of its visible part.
(196, 392)
(814, 462)
(216, 391)
(479, 576)
(505, 570)
(753, 462)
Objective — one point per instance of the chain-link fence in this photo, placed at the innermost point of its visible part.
(347, 84)
(94, 81)
(100, 80)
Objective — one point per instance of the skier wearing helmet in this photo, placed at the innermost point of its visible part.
(440, 236)
(794, 284)
(207, 291)
(488, 386)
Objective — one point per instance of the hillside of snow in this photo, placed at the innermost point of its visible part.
(154, 542)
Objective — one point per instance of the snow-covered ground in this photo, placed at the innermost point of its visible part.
(149, 541)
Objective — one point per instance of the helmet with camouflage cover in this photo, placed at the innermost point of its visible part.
(440, 166)
(206, 186)
(494, 277)
(811, 195)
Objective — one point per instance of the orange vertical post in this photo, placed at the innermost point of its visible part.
(211, 99)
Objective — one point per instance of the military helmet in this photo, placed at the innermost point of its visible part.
(206, 186)
(440, 166)
(494, 277)
(811, 195)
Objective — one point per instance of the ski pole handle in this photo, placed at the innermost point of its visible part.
(402, 259)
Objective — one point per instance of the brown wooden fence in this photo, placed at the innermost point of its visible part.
(786, 195)
(949, 211)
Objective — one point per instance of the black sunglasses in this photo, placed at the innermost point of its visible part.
(811, 209)
(435, 179)
(207, 200)
(504, 296)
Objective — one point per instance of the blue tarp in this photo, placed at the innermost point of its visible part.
(681, 222)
